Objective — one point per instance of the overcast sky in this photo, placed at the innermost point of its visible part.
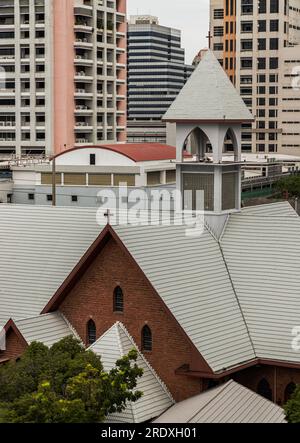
(191, 16)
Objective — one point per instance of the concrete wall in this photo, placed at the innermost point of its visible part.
(87, 196)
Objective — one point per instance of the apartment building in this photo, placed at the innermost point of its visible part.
(63, 74)
(289, 101)
(253, 41)
(156, 74)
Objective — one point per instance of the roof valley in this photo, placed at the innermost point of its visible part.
(236, 296)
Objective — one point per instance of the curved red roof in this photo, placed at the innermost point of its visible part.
(137, 152)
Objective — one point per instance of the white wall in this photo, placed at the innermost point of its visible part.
(24, 177)
(5, 189)
(104, 157)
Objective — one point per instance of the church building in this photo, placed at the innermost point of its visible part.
(201, 311)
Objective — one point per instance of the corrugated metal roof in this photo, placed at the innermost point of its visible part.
(47, 329)
(236, 300)
(39, 248)
(229, 403)
(262, 252)
(112, 346)
(281, 209)
(208, 95)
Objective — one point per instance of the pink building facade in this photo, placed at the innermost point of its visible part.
(64, 63)
(89, 42)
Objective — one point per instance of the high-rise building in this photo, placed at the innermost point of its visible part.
(156, 74)
(63, 74)
(257, 43)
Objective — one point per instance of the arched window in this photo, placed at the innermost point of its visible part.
(146, 339)
(91, 332)
(118, 300)
(264, 389)
(289, 391)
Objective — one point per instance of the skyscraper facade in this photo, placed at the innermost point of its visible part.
(63, 74)
(156, 74)
(257, 43)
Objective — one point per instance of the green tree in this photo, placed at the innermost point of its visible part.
(65, 384)
(289, 186)
(292, 408)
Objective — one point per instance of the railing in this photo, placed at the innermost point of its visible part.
(263, 181)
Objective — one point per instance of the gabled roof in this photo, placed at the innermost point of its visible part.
(115, 344)
(47, 329)
(228, 403)
(237, 299)
(190, 276)
(208, 95)
(39, 247)
(262, 252)
(137, 152)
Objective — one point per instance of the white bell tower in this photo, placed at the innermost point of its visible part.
(205, 121)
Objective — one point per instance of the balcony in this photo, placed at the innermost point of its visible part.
(83, 43)
(84, 60)
(81, 125)
(8, 124)
(7, 58)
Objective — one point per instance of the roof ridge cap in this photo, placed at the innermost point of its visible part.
(70, 326)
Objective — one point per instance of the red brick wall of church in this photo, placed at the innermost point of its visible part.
(277, 377)
(14, 347)
(92, 297)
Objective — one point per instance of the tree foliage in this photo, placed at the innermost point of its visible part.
(65, 384)
(289, 186)
(292, 408)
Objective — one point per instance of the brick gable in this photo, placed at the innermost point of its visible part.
(92, 297)
(15, 346)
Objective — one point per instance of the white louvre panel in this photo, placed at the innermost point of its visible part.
(198, 182)
(229, 190)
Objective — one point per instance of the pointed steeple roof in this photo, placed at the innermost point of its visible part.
(207, 96)
(156, 399)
